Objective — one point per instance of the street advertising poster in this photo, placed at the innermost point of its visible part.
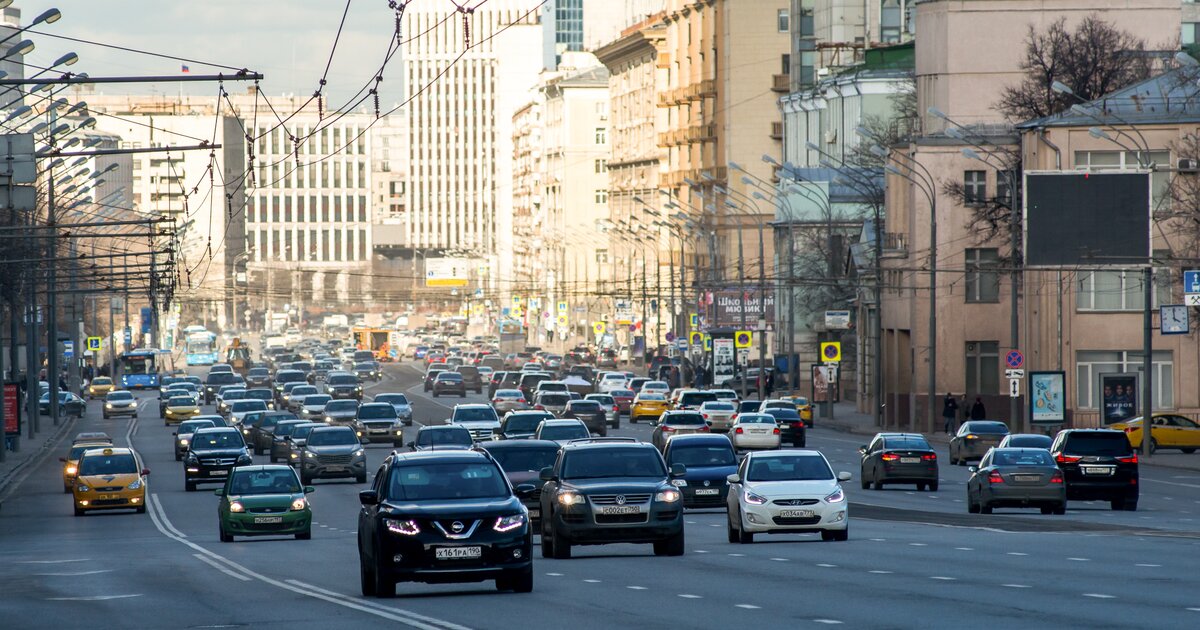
(1118, 397)
(1047, 399)
(825, 384)
(12, 411)
(723, 360)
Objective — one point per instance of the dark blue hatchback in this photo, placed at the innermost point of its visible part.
(709, 460)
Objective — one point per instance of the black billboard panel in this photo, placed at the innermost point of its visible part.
(1075, 218)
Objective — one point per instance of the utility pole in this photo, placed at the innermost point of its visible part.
(52, 286)
(742, 302)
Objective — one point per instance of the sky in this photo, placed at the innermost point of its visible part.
(288, 41)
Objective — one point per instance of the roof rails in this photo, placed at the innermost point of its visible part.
(601, 440)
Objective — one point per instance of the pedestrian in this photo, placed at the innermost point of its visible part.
(950, 412)
(770, 384)
(977, 410)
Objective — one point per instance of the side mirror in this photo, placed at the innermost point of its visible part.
(498, 431)
(547, 474)
(175, 433)
(972, 469)
(367, 497)
(525, 490)
(862, 449)
(734, 478)
(845, 476)
(219, 492)
(145, 472)
(678, 470)
(62, 459)
(411, 444)
(309, 489)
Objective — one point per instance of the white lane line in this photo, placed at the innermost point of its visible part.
(690, 522)
(218, 566)
(828, 622)
(1079, 559)
(1148, 565)
(964, 549)
(1016, 553)
(737, 555)
(877, 539)
(942, 577)
(52, 561)
(636, 588)
(747, 606)
(1099, 596)
(699, 551)
(689, 596)
(382, 610)
(156, 508)
(827, 566)
(714, 524)
(92, 598)
(74, 574)
(1173, 483)
(554, 574)
(1194, 609)
(880, 572)
(592, 581)
(1016, 585)
(779, 560)
(918, 544)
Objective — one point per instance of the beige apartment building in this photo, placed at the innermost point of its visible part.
(528, 263)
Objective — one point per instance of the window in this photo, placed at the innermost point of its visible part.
(602, 256)
(601, 135)
(983, 367)
(601, 165)
(889, 21)
(786, 65)
(783, 21)
(601, 196)
(1003, 190)
(975, 186)
(1090, 364)
(983, 281)
(1119, 290)
(1188, 37)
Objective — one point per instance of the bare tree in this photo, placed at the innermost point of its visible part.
(1093, 59)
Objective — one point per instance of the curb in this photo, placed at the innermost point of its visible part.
(15, 476)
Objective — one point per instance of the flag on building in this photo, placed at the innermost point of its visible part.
(184, 68)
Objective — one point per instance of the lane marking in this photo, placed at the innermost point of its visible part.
(554, 574)
(219, 567)
(1194, 609)
(942, 577)
(747, 606)
(52, 561)
(918, 544)
(690, 596)
(699, 551)
(93, 598)
(156, 508)
(408, 617)
(737, 555)
(1148, 565)
(964, 549)
(827, 566)
(1017, 585)
(1079, 559)
(74, 574)
(1099, 596)
(1016, 553)
(592, 581)
(880, 572)
(636, 588)
(780, 560)
(828, 622)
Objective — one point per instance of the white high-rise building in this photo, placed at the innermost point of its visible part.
(464, 95)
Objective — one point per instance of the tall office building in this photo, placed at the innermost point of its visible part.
(562, 31)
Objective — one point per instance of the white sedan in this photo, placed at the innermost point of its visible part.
(787, 492)
(611, 381)
(755, 431)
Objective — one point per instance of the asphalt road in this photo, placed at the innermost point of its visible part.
(913, 560)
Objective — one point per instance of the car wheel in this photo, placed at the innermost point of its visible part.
(1117, 504)
(933, 486)
(397, 444)
(1060, 509)
(878, 484)
(66, 489)
(1153, 445)
(547, 542)
(733, 535)
(79, 512)
(616, 424)
(972, 506)
(305, 535)
(189, 486)
(985, 508)
(634, 420)
(1189, 451)
(862, 479)
(361, 478)
(672, 546)
(920, 487)
(178, 457)
(435, 394)
(1046, 509)
(105, 416)
(603, 430)
(1130, 505)
(744, 537)
(517, 581)
(225, 538)
(561, 547)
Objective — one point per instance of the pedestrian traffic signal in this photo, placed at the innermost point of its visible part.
(743, 339)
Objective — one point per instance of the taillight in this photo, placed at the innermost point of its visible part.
(776, 431)
(616, 408)
(739, 431)
(1132, 459)
(539, 407)
(495, 400)
(1066, 459)
(1129, 429)
(1057, 477)
(929, 457)
(705, 416)
(668, 428)
(798, 425)
(889, 457)
(995, 477)
(704, 429)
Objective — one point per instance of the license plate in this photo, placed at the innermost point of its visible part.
(910, 460)
(1027, 477)
(268, 519)
(218, 473)
(796, 514)
(707, 491)
(335, 468)
(105, 496)
(1097, 470)
(535, 513)
(458, 553)
(619, 509)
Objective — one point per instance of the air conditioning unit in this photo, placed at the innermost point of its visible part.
(1187, 165)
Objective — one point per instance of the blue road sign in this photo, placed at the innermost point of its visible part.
(1191, 281)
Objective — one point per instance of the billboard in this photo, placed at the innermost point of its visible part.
(1075, 218)
(825, 384)
(447, 272)
(1118, 397)
(723, 360)
(728, 306)
(1047, 398)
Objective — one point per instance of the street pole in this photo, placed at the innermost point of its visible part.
(762, 302)
(933, 251)
(1147, 361)
(742, 300)
(877, 324)
(51, 293)
(1014, 406)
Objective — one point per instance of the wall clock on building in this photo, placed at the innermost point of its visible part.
(1173, 319)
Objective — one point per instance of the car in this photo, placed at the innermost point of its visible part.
(120, 403)
(899, 458)
(259, 436)
(294, 393)
(212, 453)
(623, 398)
(380, 424)
(552, 402)
(263, 501)
(312, 407)
(792, 429)
(297, 439)
(239, 408)
(673, 423)
(68, 404)
(71, 462)
(322, 367)
(522, 462)
(431, 376)
(183, 435)
(552, 386)
(449, 383)
(561, 431)
(611, 410)
(1097, 466)
(368, 371)
(99, 387)
(787, 492)
(341, 412)
(719, 414)
(216, 380)
(226, 396)
(400, 403)
(529, 383)
(1026, 440)
(441, 437)
(471, 377)
(749, 406)
(607, 359)
(480, 419)
(496, 380)
(611, 490)
(805, 409)
(219, 368)
(661, 387)
(443, 516)
(282, 378)
(973, 440)
(693, 399)
(109, 478)
(281, 440)
(726, 395)
(333, 452)
(1167, 430)
(1016, 477)
(262, 393)
(180, 408)
(258, 377)
(506, 400)
(755, 431)
(590, 413)
(648, 406)
(709, 460)
(777, 403)
(521, 425)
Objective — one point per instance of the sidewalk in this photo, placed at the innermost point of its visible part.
(847, 419)
(16, 466)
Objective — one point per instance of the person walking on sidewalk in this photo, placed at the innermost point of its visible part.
(977, 410)
(950, 413)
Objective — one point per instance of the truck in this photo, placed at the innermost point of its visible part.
(237, 355)
(337, 320)
(274, 341)
(377, 340)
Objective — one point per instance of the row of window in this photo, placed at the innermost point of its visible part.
(1096, 290)
(326, 141)
(310, 209)
(327, 174)
(326, 245)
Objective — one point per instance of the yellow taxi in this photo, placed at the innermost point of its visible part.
(648, 406)
(110, 478)
(82, 442)
(804, 408)
(180, 408)
(1167, 430)
(99, 387)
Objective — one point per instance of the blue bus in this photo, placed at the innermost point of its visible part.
(200, 346)
(139, 369)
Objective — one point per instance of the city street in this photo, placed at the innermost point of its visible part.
(913, 559)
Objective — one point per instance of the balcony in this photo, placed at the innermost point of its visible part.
(664, 99)
(895, 244)
(781, 83)
(708, 87)
(777, 131)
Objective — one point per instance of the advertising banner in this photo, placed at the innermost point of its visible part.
(825, 386)
(1118, 397)
(723, 360)
(728, 306)
(1047, 398)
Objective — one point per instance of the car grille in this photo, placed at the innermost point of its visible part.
(795, 502)
(808, 520)
(218, 461)
(267, 510)
(109, 489)
(481, 434)
(333, 459)
(621, 519)
(105, 502)
(611, 499)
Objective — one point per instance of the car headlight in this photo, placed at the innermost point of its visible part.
(667, 496)
(359, 452)
(236, 506)
(406, 528)
(108, 405)
(570, 498)
(137, 484)
(753, 499)
(295, 456)
(328, 419)
(82, 488)
(299, 504)
(679, 483)
(509, 523)
(183, 442)
(837, 497)
(244, 460)
(71, 470)
(192, 460)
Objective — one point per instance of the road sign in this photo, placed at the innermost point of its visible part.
(837, 320)
(694, 320)
(1191, 281)
(68, 349)
(128, 335)
(1014, 359)
(831, 352)
(1014, 373)
(743, 339)
(681, 343)
(562, 320)
(562, 307)
(1192, 299)
(708, 343)
(95, 343)
(696, 338)
(1014, 387)
(598, 328)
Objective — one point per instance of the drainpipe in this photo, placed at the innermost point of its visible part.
(1057, 151)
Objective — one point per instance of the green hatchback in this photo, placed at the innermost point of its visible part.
(264, 501)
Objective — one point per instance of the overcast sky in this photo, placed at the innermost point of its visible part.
(288, 41)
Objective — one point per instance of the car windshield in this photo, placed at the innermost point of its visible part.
(285, 428)
(444, 436)
(343, 379)
(99, 464)
(475, 415)
(216, 439)
(783, 414)
(338, 436)
(264, 482)
(122, 395)
(986, 427)
(317, 400)
(696, 398)
(102, 380)
(684, 419)
(564, 432)
(233, 394)
(645, 396)
(392, 399)
(444, 481)
(510, 393)
(341, 405)
(181, 401)
(1112, 444)
(603, 400)
(613, 462)
(702, 455)
(1030, 441)
(191, 425)
(303, 390)
(755, 418)
(377, 412)
(789, 468)
(301, 432)
(1031, 457)
(258, 372)
(449, 376)
(906, 443)
(622, 393)
(523, 423)
(242, 406)
(78, 451)
(259, 394)
(525, 459)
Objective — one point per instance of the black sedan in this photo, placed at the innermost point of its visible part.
(68, 404)
(517, 425)
(449, 383)
(899, 458)
(212, 454)
(590, 413)
(522, 461)
(974, 438)
(792, 429)
(1016, 477)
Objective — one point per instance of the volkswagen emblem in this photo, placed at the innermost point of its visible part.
(457, 526)
(707, 483)
(620, 499)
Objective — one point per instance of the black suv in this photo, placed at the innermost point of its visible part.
(343, 385)
(471, 377)
(443, 516)
(1098, 465)
(610, 490)
(212, 454)
(590, 413)
(215, 381)
(283, 377)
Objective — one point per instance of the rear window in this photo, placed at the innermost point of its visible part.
(622, 393)
(468, 370)
(645, 396)
(906, 442)
(685, 418)
(554, 399)
(1022, 458)
(585, 406)
(509, 393)
(719, 407)
(696, 398)
(989, 427)
(1097, 443)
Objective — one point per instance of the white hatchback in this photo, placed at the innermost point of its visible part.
(787, 492)
(755, 431)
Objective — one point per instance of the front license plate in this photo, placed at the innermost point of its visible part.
(619, 509)
(707, 491)
(796, 514)
(335, 468)
(104, 496)
(535, 513)
(268, 519)
(910, 460)
(458, 553)
(218, 473)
